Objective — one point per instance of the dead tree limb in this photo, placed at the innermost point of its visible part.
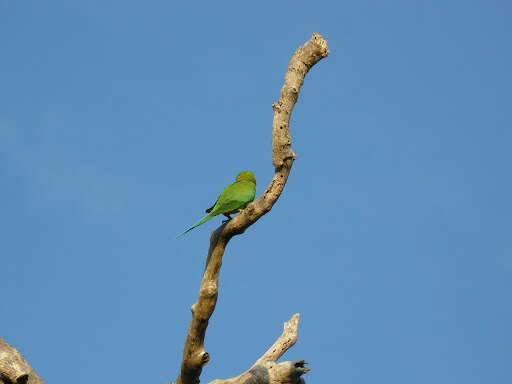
(194, 353)
(266, 370)
(14, 369)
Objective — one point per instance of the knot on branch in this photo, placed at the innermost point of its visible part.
(287, 372)
(209, 289)
(196, 361)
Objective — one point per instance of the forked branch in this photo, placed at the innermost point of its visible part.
(266, 370)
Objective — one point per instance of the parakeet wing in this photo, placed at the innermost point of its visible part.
(234, 196)
(213, 206)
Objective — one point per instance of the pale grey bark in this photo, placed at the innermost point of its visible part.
(265, 370)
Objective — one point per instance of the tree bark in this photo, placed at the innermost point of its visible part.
(14, 369)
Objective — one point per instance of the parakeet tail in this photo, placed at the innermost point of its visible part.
(203, 220)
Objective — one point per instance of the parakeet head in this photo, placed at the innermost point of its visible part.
(246, 176)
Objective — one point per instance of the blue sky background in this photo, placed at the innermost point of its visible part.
(121, 121)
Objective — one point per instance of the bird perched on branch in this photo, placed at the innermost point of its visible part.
(232, 199)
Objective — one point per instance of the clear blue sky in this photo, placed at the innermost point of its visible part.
(120, 122)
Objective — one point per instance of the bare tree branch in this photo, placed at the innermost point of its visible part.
(194, 353)
(265, 370)
(285, 342)
(14, 369)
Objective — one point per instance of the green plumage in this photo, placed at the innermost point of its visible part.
(232, 199)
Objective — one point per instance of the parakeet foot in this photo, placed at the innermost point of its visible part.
(229, 218)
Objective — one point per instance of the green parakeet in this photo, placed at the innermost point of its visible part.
(232, 199)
